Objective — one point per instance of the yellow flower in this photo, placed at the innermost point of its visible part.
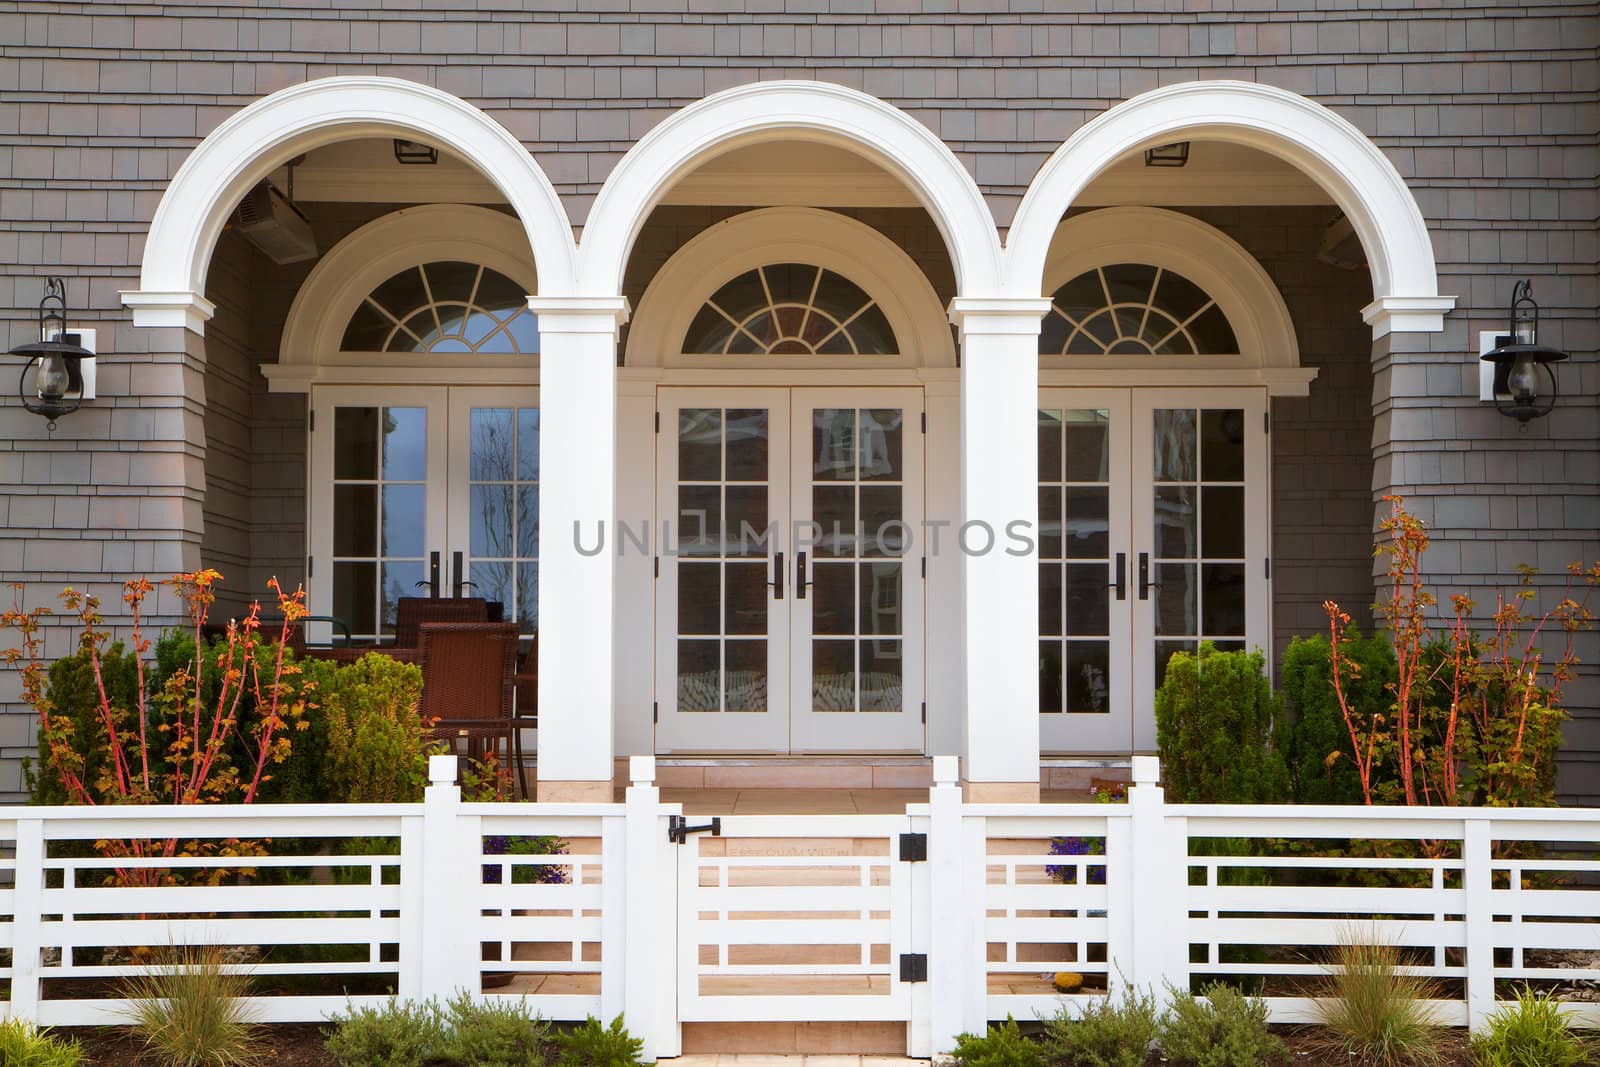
(1068, 981)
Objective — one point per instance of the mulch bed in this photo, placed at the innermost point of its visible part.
(287, 1045)
(300, 1045)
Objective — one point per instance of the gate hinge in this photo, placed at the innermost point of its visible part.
(678, 829)
(913, 966)
(913, 849)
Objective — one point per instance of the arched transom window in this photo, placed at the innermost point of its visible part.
(790, 309)
(444, 306)
(1135, 309)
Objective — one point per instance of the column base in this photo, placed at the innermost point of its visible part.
(560, 792)
(1000, 792)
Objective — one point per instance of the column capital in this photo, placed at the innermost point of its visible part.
(580, 314)
(179, 307)
(998, 315)
(1407, 314)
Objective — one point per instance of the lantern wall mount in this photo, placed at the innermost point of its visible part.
(59, 373)
(1516, 372)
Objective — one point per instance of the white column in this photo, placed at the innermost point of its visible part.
(577, 507)
(998, 542)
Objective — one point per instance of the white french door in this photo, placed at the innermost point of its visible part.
(789, 600)
(1154, 537)
(420, 491)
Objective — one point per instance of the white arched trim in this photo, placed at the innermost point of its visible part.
(790, 235)
(1331, 151)
(309, 351)
(271, 131)
(1268, 351)
(779, 110)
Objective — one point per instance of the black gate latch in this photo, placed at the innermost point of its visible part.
(678, 829)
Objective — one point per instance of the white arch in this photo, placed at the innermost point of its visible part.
(1197, 250)
(767, 111)
(1327, 148)
(783, 235)
(365, 259)
(274, 129)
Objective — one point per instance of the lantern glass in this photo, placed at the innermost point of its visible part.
(54, 379)
(1523, 381)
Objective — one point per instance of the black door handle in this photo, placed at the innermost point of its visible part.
(457, 578)
(1120, 570)
(777, 576)
(433, 575)
(1145, 584)
(800, 582)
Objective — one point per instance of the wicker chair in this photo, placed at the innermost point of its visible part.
(468, 671)
(410, 612)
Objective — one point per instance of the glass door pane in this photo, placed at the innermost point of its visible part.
(1202, 525)
(1084, 699)
(377, 503)
(495, 499)
(721, 632)
(857, 610)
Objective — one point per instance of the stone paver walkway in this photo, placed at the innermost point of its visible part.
(755, 1060)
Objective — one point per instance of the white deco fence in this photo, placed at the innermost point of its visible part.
(940, 919)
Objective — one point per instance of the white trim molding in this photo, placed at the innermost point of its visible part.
(341, 280)
(266, 134)
(790, 235)
(182, 308)
(1331, 151)
(788, 110)
(1201, 253)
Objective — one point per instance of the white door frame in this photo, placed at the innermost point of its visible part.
(785, 727)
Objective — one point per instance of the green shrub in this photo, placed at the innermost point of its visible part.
(74, 701)
(595, 1045)
(1534, 1032)
(495, 1033)
(1372, 1011)
(399, 1034)
(1316, 740)
(374, 747)
(1214, 724)
(189, 1013)
(1226, 1029)
(23, 1046)
(1002, 1046)
(1106, 1033)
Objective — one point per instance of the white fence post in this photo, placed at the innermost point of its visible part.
(649, 942)
(26, 920)
(1477, 884)
(1158, 881)
(957, 978)
(452, 877)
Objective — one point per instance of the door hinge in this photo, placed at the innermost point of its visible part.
(913, 848)
(924, 566)
(924, 422)
(658, 566)
(311, 565)
(655, 711)
(924, 713)
(311, 421)
(1268, 568)
(1266, 422)
(658, 422)
(913, 966)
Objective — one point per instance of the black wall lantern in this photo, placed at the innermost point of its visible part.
(57, 358)
(1524, 372)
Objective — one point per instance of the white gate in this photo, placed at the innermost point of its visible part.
(802, 918)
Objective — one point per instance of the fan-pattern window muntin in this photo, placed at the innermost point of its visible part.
(1135, 309)
(445, 306)
(790, 309)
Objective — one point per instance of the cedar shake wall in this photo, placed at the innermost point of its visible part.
(1491, 113)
